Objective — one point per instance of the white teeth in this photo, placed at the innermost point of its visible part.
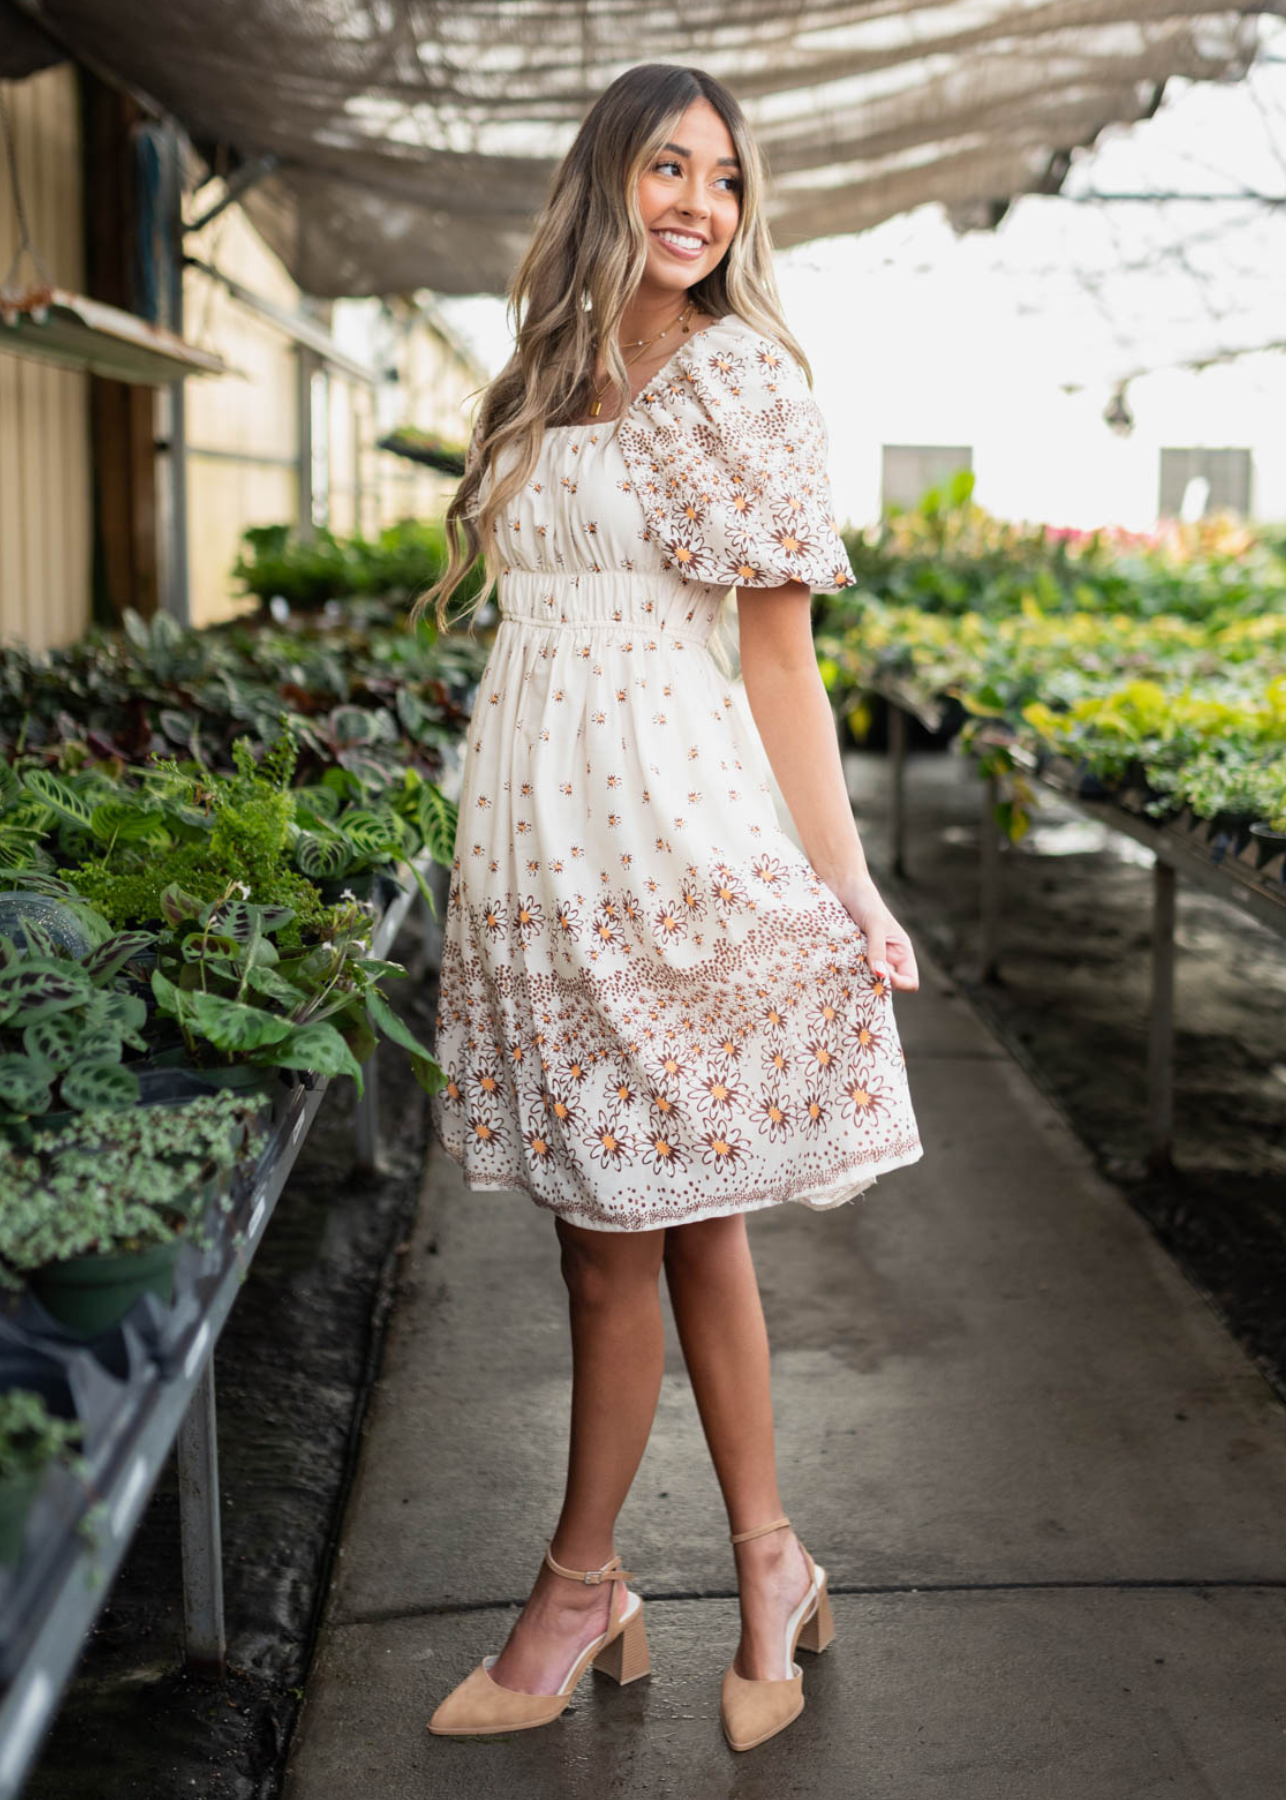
(677, 237)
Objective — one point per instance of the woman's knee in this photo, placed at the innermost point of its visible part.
(599, 1265)
(704, 1243)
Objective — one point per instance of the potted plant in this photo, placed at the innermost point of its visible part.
(31, 1438)
(65, 1024)
(92, 1216)
(1270, 829)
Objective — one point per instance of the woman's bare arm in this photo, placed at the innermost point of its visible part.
(793, 715)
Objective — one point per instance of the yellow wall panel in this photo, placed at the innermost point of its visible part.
(223, 498)
(45, 495)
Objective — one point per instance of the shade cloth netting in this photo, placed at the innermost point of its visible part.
(417, 139)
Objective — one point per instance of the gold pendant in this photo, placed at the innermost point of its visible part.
(593, 411)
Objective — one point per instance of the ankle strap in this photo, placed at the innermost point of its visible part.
(610, 1571)
(739, 1537)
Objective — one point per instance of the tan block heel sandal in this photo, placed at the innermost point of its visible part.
(480, 1704)
(753, 1711)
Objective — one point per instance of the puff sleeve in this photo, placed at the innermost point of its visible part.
(727, 451)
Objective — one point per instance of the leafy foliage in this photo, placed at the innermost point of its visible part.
(210, 832)
(119, 1181)
(64, 1029)
(237, 998)
(31, 1437)
(156, 689)
(307, 572)
(1160, 660)
(949, 555)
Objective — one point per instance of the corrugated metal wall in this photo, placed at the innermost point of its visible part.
(45, 496)
(243, 429)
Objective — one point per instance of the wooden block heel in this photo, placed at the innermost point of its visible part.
(818, 1629)
(627, 1656)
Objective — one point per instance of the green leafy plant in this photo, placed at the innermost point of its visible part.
(32, 1437)
(374, 830)
(276, 563)
(425, 447)
(1169, 710)
(120, 1181)
(64, 1026)
(22, 825)
(206, 832)
(237, 998)
(157, 689)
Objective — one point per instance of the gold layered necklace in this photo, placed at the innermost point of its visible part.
(640, 344)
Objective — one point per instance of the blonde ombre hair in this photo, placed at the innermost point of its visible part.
(581, 269)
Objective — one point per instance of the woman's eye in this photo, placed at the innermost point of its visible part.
(734, 181)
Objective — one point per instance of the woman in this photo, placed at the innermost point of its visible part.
(656, 1015)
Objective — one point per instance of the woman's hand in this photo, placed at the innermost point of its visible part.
(888, 948)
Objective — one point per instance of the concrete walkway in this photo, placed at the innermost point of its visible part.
(1050, 1491)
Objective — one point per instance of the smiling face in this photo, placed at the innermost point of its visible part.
(690, 200)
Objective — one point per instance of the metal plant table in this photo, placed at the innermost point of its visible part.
(177, 1412)
(1187, 846)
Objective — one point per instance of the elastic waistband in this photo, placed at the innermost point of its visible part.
(608, 600)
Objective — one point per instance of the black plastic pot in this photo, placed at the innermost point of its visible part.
(1089, 784)
(102, 1384)
(1228, 833)
(1269, 842)
(173, 1084)
(89, 1294)
(379, 885)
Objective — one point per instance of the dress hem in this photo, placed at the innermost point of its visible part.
(718, 1209)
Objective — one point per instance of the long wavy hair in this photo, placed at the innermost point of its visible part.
(580, 271)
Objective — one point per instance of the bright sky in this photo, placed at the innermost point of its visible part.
(919, 336)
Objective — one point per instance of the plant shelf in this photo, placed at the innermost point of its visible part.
(59, 326)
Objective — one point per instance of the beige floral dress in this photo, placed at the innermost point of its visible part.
(652, 1010)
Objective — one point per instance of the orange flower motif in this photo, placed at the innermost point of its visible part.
(615, 1080)
(661, 1155)
(723, 1150)
(775, 1117)
(669, 924)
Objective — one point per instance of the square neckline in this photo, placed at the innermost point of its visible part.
(593, 424)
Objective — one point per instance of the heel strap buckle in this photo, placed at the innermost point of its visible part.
(610, 1571)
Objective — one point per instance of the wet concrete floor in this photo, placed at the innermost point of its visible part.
(1048, 1486)
(1071, 1003)
(1055, 1528)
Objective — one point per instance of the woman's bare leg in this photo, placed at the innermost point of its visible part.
(720, 1319)
(618, 1357)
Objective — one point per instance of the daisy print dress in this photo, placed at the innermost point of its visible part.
(652, 1009)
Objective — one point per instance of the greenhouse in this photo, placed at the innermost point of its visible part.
(342, 943)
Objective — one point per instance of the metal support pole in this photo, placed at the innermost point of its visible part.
(167, 241)
(366, 1123)
(989, 883)
(204, 1643)
(305, 364)
(1161, 1023)
(897, 786)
